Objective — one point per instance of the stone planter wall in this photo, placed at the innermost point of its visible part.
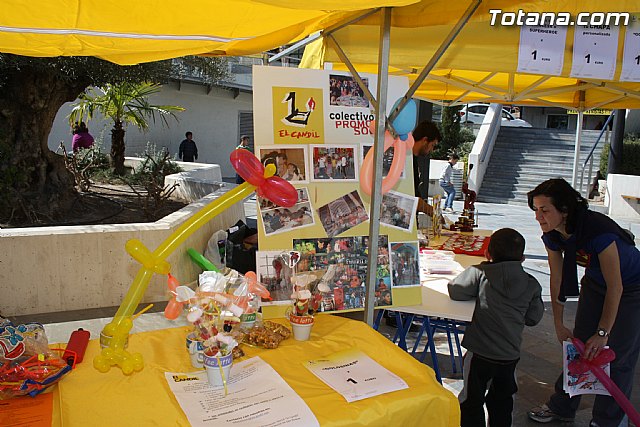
(52, 269)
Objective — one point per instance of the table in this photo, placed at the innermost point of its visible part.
(87, 397)
(436, 303)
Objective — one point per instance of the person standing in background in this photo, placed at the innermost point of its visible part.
(81, 137)
(244, 144)
(188, 151)
(447, 185)
(426, 136)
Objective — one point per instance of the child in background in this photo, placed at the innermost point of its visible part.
(507, 299)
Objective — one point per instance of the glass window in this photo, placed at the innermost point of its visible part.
(558, 121)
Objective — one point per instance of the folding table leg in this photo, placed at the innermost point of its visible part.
(432, 349)
(457, 337)
(376, 322)
(403, 329)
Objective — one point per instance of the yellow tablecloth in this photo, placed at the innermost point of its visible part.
(86, 397)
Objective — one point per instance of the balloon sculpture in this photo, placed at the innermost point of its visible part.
(582, 365)
(404, 123)
(258, 179)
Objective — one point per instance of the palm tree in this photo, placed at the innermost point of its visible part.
(124, 103)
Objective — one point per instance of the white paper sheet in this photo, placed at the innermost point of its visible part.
(595, 48)
(541, 49)
(586, 383)
(631, 58)
(355, 375)
(257, 397)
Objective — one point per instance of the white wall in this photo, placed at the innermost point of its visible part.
(213, 119)
(623, 185)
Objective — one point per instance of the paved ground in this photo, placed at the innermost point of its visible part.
(541, 354)
(540, 363)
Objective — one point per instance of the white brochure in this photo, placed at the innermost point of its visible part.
(257, 396)
(355, 375)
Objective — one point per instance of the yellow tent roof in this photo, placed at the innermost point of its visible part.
(481, 63)
(129, 32)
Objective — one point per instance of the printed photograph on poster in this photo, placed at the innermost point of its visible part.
(275, 274)
(387, 159)
(333, 163)
(303, 197)
(398, 210)
(340, 268)
(405, 270)
(345, 92)
(280, 219)
(290, 162)
(342, 214)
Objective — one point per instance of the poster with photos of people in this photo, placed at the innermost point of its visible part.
(405, 268)
(340, 268)
(326, 116)
(277, 219)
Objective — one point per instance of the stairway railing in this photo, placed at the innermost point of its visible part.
(589, 159)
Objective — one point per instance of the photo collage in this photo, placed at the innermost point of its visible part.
(323, 164)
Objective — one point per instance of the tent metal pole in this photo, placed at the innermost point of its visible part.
(302, 43)
(576, 154)
(343, 57)
(436, 57)
(378, 151)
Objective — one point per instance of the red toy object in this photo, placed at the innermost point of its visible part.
(274, 188)
(77, 345)
(607, 355)
(466, 245)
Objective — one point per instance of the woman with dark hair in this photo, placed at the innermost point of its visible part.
(608, 311)
(81, 137)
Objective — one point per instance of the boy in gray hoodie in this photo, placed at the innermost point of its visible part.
(507, 299)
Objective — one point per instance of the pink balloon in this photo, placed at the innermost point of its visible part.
(248, 166)
(279, 191)
(397, 165)
(606, 381)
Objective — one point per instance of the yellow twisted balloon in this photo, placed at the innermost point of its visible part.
(155, 262)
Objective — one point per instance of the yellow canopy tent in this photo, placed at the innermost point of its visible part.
(142, 31)
(481, 63)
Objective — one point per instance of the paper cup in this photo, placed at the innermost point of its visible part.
(301, 326)
(215, 375)
(196, 350)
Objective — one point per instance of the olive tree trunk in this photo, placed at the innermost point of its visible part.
(34, 183)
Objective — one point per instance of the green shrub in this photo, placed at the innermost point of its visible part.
(630, 156)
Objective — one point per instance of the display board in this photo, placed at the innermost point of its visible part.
(313, 125)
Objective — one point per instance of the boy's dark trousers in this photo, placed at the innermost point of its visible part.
(498, 376)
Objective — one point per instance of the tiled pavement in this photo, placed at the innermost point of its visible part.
(541, 353)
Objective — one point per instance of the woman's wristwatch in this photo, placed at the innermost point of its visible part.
(602, 332)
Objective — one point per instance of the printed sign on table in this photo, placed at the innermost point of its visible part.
(355, 375)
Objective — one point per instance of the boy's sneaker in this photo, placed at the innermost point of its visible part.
(542, 414)
(450, 210)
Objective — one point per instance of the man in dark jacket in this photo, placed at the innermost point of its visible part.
(507, 299)
(188, 151)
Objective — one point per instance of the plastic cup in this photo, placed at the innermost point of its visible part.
(215, 375)
(105, 340)
(196, 350)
